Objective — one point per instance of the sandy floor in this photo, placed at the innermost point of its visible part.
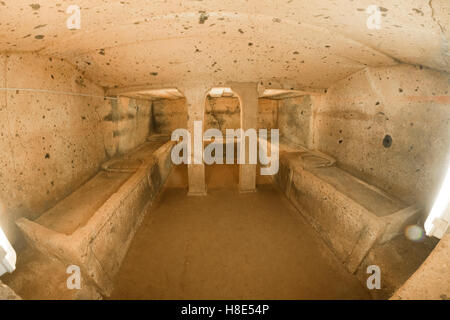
(229, 245)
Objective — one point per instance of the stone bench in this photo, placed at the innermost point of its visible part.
(349, 214)
(94, 226)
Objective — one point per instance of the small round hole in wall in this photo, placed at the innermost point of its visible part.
(387, 141)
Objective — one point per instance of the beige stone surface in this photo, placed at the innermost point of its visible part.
(169, 115)
(410, 104)
(363, 114)
(267, 114)
(53, 142)
(220, 113)
(251, 246)
(350, 215)
(42, 277)
(248, 98)
(6, 293)
(302, 43)
(195, 101)
(397, 259)
(98, 243)
(430, 281)
(295, 120)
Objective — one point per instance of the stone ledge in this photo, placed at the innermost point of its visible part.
(100, 244)
(350, 215)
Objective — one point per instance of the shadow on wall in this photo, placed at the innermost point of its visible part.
(131, 121)
(222, 113)
(295, 120)
(168, 115)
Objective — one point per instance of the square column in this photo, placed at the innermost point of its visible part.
(195, 102)
(248, 98)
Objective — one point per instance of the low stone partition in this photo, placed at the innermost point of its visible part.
(94, 226)
(349, 214)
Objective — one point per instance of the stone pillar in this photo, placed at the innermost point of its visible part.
(248, 98)
(195, 101)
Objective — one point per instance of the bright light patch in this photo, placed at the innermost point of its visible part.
(7, 254)
(220, 92)
(216, 92)
(414, 233)
(437, 221)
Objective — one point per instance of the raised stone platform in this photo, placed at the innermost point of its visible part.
(350, 214)
(93, 226)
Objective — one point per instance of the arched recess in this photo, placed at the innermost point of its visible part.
(222, 111)
(247, 95)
